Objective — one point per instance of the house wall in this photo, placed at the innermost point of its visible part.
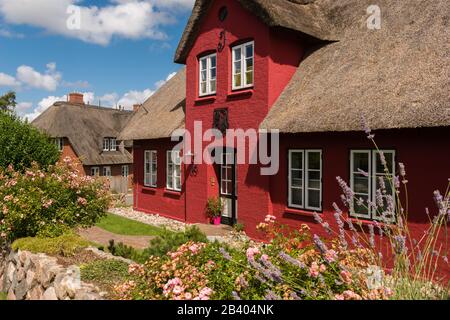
(157, 200)
(276, 60)
(68, 151)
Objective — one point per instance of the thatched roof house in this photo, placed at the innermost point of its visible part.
(161, 114)
(85, 127)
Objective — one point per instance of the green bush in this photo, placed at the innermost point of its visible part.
(21, 144)
(48, 203)
(127, 252)
(169, 241)
(65, 245)
(104, 272)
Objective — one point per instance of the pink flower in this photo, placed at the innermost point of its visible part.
(265, 257)
(251, 252)
(188, 296)
(47, 204)
(270, 219)
(346, 276)
(331, 256)
(82, 201)
(8, 198)
(5, 210)
(314, 270)
(322, 268)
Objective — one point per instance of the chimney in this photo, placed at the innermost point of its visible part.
(75, 97)
(136, 107)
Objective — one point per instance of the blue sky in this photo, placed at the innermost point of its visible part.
(118, 51)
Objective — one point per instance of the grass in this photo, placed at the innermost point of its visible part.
(65, 245)
(2, 296)
(105, 274)
(127, 227)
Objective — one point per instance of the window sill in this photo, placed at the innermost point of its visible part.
(205, 99)
(365, 223)
(299, 212)
(240, 92)
(147, 188)
(172, 192)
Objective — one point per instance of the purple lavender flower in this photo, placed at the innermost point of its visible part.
(317, 218)
(351, 226)
(327, 228)
(319, 244)
(341, 225)
(397, 182)
(382, 184)
(379, 198)
(445, 258)
(348, 192)
(225, 254)
(270, 295)
(366, 128)
(364, 173)
(383, 160)
(440, 203)
(399, 244)
(287, 258)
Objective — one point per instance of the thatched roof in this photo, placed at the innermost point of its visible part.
(85, 126)
(303, 16)
(161, 114)
(398, 77)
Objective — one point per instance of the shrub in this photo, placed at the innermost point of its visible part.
(21, 144)
(48, 203)
(127, 252)
(105, 273)
(169, 241)
(66, 245)
(214, 207)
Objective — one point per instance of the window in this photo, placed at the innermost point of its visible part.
(243, 66)
(150, 168)
(208, 75)
(107, 171)
(125, 171)
(95, 171)
(173, 178)
(226, 185)
(109, 144)
(366, 171)
(59, 143)
(113, 144)
(305, 179)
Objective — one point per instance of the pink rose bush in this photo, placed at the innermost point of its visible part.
(48, 202)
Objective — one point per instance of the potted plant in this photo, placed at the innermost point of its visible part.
(214, 208)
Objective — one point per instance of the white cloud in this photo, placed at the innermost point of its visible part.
(160, 83)
(23, 106)
(43, 105)
(134, 97)
(48, 81)
(8, 81)
(109, 99)
(131, 19)
(5, 33)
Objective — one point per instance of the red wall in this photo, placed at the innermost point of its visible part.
(276, 60)
(156, 200)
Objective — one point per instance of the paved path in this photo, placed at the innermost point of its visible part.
(100, 236)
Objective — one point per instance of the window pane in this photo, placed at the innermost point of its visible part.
(213, 86)
(237, 67)
(249, 51)
(389, 160)
(314, 160)
(213, 73)
(314, 179)
(249, 78)
(361, 161)
(178, 183)
(360, 184)
(314, 199)
(297, 179)
(297, 160)
(203, 64)
(237, 54)
(237, 80)
(297, 197)
(213, 61)
(203, 76)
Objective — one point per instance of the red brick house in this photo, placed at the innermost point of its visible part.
(89, 134)
(310, 69)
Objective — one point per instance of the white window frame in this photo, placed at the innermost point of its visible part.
(170, 175)
(228, 180)
(106, 144)
(150, 175)
(208, 79)
(106, 170)
(243, 59)
(305, 181)
(373, 179)
(113, 144)
(125, 171)
(95, 171)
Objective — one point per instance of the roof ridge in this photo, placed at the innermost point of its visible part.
(65, 103)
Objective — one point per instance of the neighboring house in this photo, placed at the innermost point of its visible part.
(309, 69)
(89, 134)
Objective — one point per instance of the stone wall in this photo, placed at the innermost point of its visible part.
(28, 276)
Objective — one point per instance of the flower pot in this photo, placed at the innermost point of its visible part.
(216, 221)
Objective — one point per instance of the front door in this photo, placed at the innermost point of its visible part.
(228, 192)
